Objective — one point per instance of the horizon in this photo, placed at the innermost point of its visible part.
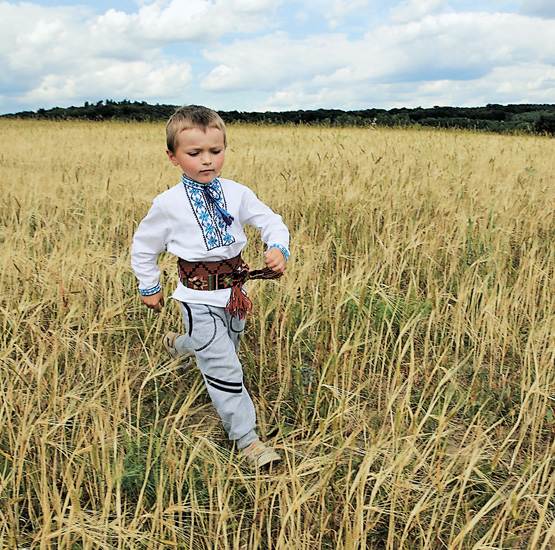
(140, 102)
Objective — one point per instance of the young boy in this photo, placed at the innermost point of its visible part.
(201, 220)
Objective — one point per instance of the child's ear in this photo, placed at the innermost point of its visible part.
(172, 157)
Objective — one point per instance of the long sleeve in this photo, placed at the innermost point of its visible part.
(272, 229)
(149, 241)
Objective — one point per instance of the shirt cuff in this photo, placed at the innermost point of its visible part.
(282, 249)
(150, 291)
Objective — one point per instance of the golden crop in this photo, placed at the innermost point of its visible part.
(404, 365)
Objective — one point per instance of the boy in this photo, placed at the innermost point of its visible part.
(201, 221)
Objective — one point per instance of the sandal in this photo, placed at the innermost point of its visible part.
(257, 454)
(169, 343)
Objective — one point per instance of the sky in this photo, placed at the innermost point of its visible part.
(276, 55)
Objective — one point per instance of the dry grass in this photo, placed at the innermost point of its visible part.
(404, 366)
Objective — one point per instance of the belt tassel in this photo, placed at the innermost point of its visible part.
(239, 304)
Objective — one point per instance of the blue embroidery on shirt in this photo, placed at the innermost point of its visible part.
(209, 218)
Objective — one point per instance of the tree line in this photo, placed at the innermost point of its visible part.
(524, 118)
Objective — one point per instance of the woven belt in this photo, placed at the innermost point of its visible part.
(211, 275)
(231, 273)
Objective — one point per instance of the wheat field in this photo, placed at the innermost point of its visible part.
(403, 367)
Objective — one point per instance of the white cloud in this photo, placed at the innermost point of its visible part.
(52, 55)
(341, 9)
(538, 8)
(30, 37)
(523, 84)
(414, 10)
(529, 83)
(201, 21)
(133, 80)
(270, 61)
(423, 57)
(411, 51)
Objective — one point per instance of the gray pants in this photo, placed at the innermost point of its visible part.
(213, 335)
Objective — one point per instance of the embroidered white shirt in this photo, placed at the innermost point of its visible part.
(181, 222)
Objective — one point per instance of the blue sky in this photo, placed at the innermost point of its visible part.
(258, 55)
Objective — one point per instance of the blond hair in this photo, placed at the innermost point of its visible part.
(192, 116)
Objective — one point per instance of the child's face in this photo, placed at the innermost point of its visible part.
(199, 153)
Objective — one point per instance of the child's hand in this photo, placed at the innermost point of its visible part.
(155, 302)
(275, 260)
